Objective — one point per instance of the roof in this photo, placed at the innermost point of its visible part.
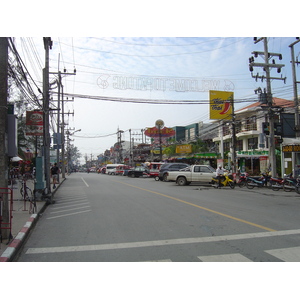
(276, 102)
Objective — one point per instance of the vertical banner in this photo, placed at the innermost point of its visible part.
(34, 123)
(220, 105)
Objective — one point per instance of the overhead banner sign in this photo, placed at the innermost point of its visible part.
(161, 83)
(220, 105)
(34, 123)
(164, 132)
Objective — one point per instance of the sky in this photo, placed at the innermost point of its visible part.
(150, 61)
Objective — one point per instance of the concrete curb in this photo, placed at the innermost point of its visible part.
(16, 244)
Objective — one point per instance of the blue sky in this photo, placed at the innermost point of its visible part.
(211, 59)
(166, 41)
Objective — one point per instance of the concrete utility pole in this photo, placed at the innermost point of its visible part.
(296, 100)
(60, 127)
(3, 131)
(233, 139)
(272, 155)
(266, 66)
(46, 135)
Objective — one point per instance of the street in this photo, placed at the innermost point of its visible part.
(102, 218)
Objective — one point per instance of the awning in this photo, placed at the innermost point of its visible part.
(16, 158)
(291, 141)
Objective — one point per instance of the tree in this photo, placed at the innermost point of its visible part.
(74, 155)
(199, 146)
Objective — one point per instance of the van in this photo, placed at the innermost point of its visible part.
(111, 169)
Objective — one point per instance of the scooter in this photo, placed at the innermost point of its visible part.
(225, 181)
(276, 183)
(291, 184)
(242, 179)
(257, 182)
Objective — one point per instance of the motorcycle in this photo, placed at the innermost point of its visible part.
(276, 183)
(257, 182)
(226, 180)
(291, 184)
(242, 179)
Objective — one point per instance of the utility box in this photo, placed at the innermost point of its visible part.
(12, 147)
(40, 174)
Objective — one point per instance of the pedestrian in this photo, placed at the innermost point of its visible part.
(54, 173)
(220, 174)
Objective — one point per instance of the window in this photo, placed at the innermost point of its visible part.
(252, 143)
(197, 169)
(251, 123)
(239, 145)
(205, 170)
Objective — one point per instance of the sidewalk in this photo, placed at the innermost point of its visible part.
(22, 221)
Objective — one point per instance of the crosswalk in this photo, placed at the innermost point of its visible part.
(73, 202)
(284, 254)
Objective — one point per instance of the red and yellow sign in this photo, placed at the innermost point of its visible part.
(220, 104)
(164, 132)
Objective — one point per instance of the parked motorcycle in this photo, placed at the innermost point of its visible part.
(291, 184)
(242, 179)
(227, 180)
(257, 182)
(276, 183)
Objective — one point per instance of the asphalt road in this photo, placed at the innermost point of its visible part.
(102, 218)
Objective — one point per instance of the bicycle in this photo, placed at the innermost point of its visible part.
(27, 195)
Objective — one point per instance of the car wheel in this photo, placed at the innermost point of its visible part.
(132, 175)
(156, 178)
(181, 181)
(165, 177)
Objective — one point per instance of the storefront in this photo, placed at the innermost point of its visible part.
(290, 156)
(253, 162)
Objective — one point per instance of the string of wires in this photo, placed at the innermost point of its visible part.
(151, 101)
(22, 78)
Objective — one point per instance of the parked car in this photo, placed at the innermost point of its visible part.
(121, 169)
(138, 172)
(194, 173)
(169, 167)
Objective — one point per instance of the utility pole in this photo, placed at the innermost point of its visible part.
(61, 126)
(3, 132)
(46, 110)
(269, 99)
(296, 100)
(296, 104)
(233, 138)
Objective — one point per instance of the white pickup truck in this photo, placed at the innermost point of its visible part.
(194, 173)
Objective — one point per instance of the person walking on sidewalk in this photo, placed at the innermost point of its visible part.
(54, 173)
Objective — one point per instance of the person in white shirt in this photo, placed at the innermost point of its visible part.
(220, 173)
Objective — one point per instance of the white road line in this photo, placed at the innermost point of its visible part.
(63, 201)
(286, 254)
(79, 212)
(161, 242)
(233, 257)
(69, 205)
(85, 182)
(64, 210)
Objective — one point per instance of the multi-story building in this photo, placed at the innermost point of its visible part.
(252, 140)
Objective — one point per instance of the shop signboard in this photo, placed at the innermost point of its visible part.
(220, 105)
(184, 148)
(290, 148)
(34, 123)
